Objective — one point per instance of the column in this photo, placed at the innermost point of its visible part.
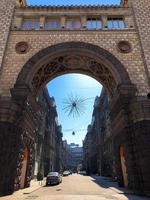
(104, 22)
(42, 22)
(63, 21)
(83, 21)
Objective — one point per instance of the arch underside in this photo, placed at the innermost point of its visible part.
(73, 57)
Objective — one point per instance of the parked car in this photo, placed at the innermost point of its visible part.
(53, 178)
(82, 172)
(70, 171)
(66, 173)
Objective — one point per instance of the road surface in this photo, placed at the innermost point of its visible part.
(79, 187)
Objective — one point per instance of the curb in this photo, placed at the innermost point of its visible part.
(40, 186)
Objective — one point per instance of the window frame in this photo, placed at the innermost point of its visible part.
(97, 19)
(73, 19)
(33, 20)
(54, 19)
(115, 19)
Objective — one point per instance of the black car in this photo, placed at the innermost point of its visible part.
(53, 178)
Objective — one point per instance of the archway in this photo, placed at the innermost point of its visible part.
(69, 57)
(123, 165)
(74, 57)
(24, 167)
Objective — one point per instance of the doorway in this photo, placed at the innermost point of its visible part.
(24, 167)
(123, 166)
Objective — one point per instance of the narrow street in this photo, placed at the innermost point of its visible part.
(79, 187)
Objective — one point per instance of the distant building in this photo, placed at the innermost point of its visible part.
(98, 143)
(89, 151)
(105, 141)
(66, 156)
(77, 157)
(49, 137)
(72, 156)
(58, 149)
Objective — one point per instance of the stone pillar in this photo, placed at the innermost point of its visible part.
(128, 22)
(17, 23)
(83, 21)
(63, 21)
(18, 121)
(42, 22)
(130, 128)
(141, 14)
(104, 22)
(141, 133)
(10, 141)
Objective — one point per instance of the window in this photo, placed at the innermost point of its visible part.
(73, 24)
(29, 24)
(116, 23)
(52, 24)
(94, 23)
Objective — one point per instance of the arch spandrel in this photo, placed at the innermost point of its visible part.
(73, 57)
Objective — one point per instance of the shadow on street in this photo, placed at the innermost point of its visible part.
(108, 182)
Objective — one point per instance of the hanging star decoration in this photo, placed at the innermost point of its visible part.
(74, 105)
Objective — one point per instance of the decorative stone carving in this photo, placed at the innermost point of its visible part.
(124, 47)
(22, 47)
(72, 63)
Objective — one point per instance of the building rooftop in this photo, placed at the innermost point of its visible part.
(71, 6)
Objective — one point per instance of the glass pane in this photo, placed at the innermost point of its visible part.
(94, 23)
(73, 24)
(121, 24)
(52, 24)
(89, 24)
(110, 24)
(76, 24)
(115, 24)
(29, 24)
(99, 24)
(69, 24)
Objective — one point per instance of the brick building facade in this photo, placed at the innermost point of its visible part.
(98, 143)
(109, 43)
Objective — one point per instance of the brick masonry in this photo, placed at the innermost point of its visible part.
(132, 109)
(107, 39)
(6, 16)
(141, 13)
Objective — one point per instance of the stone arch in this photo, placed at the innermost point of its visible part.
(22, 110)
(73, 57)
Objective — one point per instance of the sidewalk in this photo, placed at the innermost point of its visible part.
(22, 193)
(110, 183)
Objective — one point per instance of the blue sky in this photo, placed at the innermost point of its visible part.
(72, 2)
(81, 85)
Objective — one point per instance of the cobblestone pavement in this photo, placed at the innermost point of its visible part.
(77, 187)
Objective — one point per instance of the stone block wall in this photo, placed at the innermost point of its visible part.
(6, 16)
(141, 13)
(107, 39)
(38, 40)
